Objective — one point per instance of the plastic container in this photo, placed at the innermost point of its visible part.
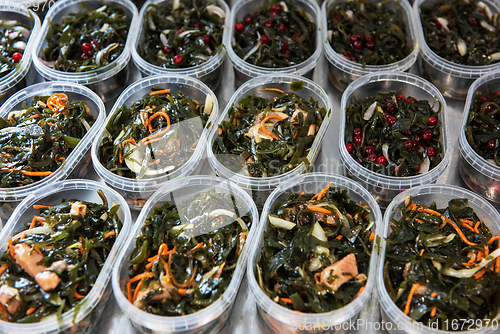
(284, 320)
(17, 79)
(107, 81)
(452, 79)
(342, 71)
(480, 175)
(136, 192)
(211, 318)
(209, 72)
(264, 186)
(79, 159)
(441, 194)
(245, 71)
(93, 304)
(385, 187)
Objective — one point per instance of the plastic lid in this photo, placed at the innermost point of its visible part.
(412, 85)
(75, 92)
(56, 13)
(51, 195)
(241, 8)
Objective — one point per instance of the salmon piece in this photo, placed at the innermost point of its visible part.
(296, 114)
(47, 280)
(165, 292)
(78, 209)
(340, 272)
(28, 259)
(9, 297)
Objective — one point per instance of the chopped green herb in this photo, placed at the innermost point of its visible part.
(14, 37)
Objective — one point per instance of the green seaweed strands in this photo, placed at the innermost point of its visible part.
(317, 251)
(186, 255)
(394, 135)
(86, 40)
(440, 265)
(483, 126)
(369, 33)
(261, 149)
(180, 34)
(13, 39)
(54, 262)
(463, 32)
(276, 35)
(155, 135)
(36, 140)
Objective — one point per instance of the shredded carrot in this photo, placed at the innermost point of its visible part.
(319, 209)
(163, 91)
(57, 101)
(220, 131)
(466, 221)
(198, 246)
(182, 291)
(120, 156)
(35, 116)
(339, 237)
(273, 90)
(411, 207)
(131, 141)
(234, 121)
(477, 226)
(302, 193)
(159, 113)
(129, 292)
(77, 295)
(137, 289)
(433, 311)
(140, 276)
(320, 195)
(429, 211)
(479, 274)
(31, 310)
(35, 220)
(48, 247)
(316, 278)
(360, 291)
(144, 140)
(419, 221)
(263, 128)
(414, 287)
(470, 228)
(61, 159)
(219, 272)
(109, 234)
(422, 251)
(210, 242)
(372, 236)
(493, 239)
(296, 133)
(2, 268)
(156, 162)
(36, 249)
(434, 294)
(11, 248)
(30, 173)
(242, 241)
(449, 221)
(286, 300)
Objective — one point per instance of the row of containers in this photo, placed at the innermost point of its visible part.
(452, 79)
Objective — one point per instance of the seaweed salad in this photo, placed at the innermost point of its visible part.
(182, 33)
(186, 254)
(54, 261)
(462, 31)
(14, 37)
(317, 250)
(86, 40)
(35, 141)
(267, 137)
(277, 34)
(441, 265)
(368, 33)
(393, 134)
(155, 135)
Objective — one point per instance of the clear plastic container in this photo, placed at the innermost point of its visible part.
(211, 318)
(284, 320)
(441, 194)
(385, 187)
(264, 186)
(342, 71)
(93, 304)
(17, 79)
(480, 175)
(452, 79)
(107, 81)
(245, 71)
(136, 192)
(78, 162)
(209, 72)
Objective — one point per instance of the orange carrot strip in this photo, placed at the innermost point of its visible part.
(476, 227)
(129, 292)
(120, 156)
(470, 228)
(163, 91)
(360, 291)
(2, 268)
(131, 141)
(466, 221)
(434, 294)
(31, 310)
(220, 131)
(38, 207)
(286, 300)
(372, 236)
(219, 272)
(137, 289)
(318, 281)
(319, 209)
(339, 237)
(109, 234)
(273, 90)
(414, 287)
(182, 291)
(449, 221)
(186, 284)
(140, 276)
(77, 295)
(492, 239)
(320, 195)
(35, 220)
(433, 311)
(35, 116)
(11, 248)
(263, 128)
(48, 247)
(422, 251)
(30, 173)
(159, 113)
(479, 274)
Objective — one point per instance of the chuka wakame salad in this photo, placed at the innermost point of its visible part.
(155, 135)
(14, 37)
(54, 261)
(265, 137)
(181, 33)
(368, 33)
(86, 40)
(35, 141)
(441, 265)
(186, 255)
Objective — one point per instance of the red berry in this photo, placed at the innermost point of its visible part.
(472, 20)
(248, 20)
(369, 150)
(372, 157)
(357, 132)
(391, 107)
(374, 144)
(390, 119)
(417, 169)
(272, 14)
(90, 54)
(86, 47)
(358, 161)
(417, 138)
(282, 27)
(381, 160)
(180, 31)
(196, 25)
(84, 56)
(488, 108)
(408, 144)
(348, 55)
(264, 39)
(338, 17)
(427, 135)
(287, 53)
(438, 24)
(483, 98)
(268, 24)
(370, 46)
(16, 57)
(95, 44)
(167, 50)
(358, 140)
(206, 39)
(407, 133)
(276, 8)
(353, 38)
(349, 147)
(177, 59)
(296, 36)
(401, 96)
(431, 152)
(358, 45)
(239, 27)
(491, 144)
(432, 121)
(369, 38)
(284, 46)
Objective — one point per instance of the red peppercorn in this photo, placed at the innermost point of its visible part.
(372, 157)
(95, 44)
(370, 46)
(282, 28)
(358, 140)
(296, 36)
(483, 98)
(390, 119)
(84, 56)
(488, 108)
(438, 24)
(86, 47)
(90, 54)
(431, 152)
(358, 45)
(206, 39)
(417, 169)
(432, 121)
(374, 144)
(276, 8)
(401, 96)
(264, 39)
(357, 132)
(338, 17)
(407, 133)
(284, 46)
(248, 20)
(268, 24)
(180, 31)
(167, 50)
(287, 53)
(369, 150)
(381, 160)
(16, 57)
(348, 55)
(177, 59)
(391, 107)
(272, 14)
(491, 144)
(417, 138)
(472, 20)
(369, 38)
(239, 27)
(427, 135)
(408, 144)
(353, 38)
(349, 147)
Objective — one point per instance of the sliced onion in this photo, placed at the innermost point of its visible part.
(462, 47)
(330, 33)
(486, 9)
(101, 9)
(209, 104)
(187, 32)
(424, 167)
(315, 264)
(253, 50)
(186, 226)
(488, 26)
(105, 27)
(163, 39)
(284, 6)
(349, 14)
(467, 273)
(35, 230)
(175, 5)
(318, 232)
(369, 111)
(444, 23)
(212, 9)
(278, 222)
(321, 250)
(495, 56)
(210, 273)
(439, 240)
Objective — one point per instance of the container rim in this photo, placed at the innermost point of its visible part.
(98, 74)
(254, 71)
(17, 193)
(249, 182)
(225, 301)
(90, 301)
(152, 184)
(376, 179)
(355, 68)
(338, 316)
(197, 71)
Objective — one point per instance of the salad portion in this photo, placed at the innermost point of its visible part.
(13, 40)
